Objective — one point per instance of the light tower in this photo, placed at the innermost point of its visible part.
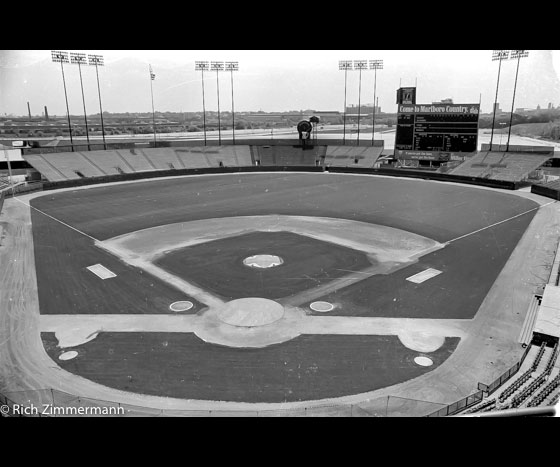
(80, 59)
(61, 57)
(217, 67)
(360, 65)
(497, 55)
(344, 65)
(201, 66)
(231, 67)
(374, 65)
(97, 61)
(515, 54)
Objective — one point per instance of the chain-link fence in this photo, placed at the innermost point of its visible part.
(55, 403)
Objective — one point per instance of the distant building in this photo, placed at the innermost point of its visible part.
(364, 109)
(497, 108)
(449, 100)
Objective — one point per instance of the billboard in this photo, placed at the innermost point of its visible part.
(406, 96)
(438, 132)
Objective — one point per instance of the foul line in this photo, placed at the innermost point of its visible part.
(498, 223)
(55, 219)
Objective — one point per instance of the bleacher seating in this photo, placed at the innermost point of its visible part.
(539, 356)
(484, 406)
(163, 158)
(47, 170)
(194, 158)
(552, 359)
(72, 165)
(108, 162)
(526, 393)
(541, 396)
(512, 166)
(289, 155)
(513, 387)
(348, 156)
(136, 160)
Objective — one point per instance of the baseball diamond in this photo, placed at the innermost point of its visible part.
(242, 290)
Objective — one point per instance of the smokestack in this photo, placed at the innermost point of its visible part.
(46, 113)
(29, 110)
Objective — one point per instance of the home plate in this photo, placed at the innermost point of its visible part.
(101, 271)
(423, 276)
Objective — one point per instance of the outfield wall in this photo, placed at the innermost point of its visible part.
(507, 185)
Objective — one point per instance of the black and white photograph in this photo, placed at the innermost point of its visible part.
(279, 233)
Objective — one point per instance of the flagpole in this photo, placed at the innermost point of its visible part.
(152, 77)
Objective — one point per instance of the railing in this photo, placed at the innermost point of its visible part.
(490, 388)
(458, 406)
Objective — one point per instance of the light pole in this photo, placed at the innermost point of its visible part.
(61, 57)
(152, 78)
(497, 55)
(360, 65)
(374, 65)
(97, 61)
(515, 54)
(217, 67)
(231, 67)
(344, 65)
(80, 59)
(201, 66)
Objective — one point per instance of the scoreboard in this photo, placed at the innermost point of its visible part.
(437, 131)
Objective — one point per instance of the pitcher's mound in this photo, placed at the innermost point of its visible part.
(250, 312)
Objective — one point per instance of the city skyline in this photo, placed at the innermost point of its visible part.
(271, 81)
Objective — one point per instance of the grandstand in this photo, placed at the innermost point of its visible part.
(344, 156)
(288, 155)
(135, 160)
(74, 165)
(513, 166)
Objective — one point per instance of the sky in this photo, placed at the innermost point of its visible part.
(271, 80)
